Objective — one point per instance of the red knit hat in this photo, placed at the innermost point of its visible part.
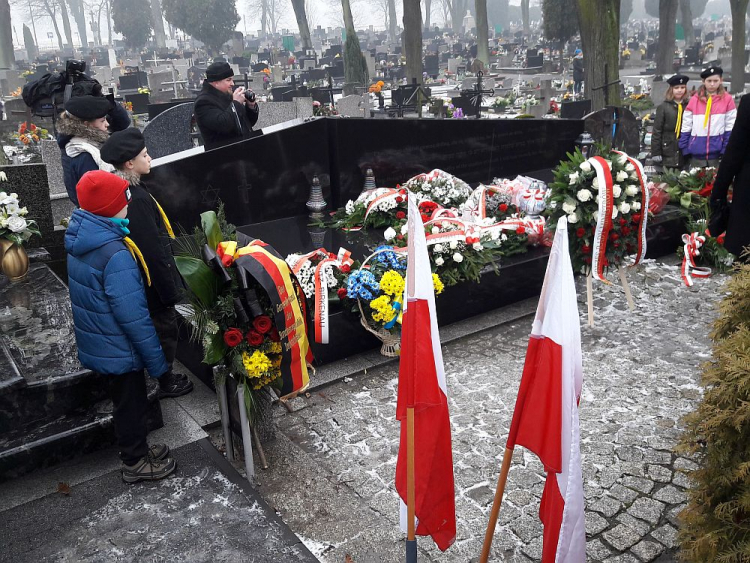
(102, 193)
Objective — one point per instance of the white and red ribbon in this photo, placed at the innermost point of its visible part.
(645, 201)
(691, 248)
(604, 221)
(344, 257)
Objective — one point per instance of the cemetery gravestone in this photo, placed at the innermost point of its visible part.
(60, 203)
(616, 126)
(30, 182)
(169, 132)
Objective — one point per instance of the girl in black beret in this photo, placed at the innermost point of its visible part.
(665, 137)
(81, 130)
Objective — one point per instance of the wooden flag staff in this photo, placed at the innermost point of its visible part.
(590, 294)
(411, 541)
(499, 491)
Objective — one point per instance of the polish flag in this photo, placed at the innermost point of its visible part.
(421, 386)
(545, 420)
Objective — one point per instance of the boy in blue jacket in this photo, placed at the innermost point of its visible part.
(113, 329)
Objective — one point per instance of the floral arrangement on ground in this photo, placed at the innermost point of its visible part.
(14, 225)
(231, 315)
(689, 188)
(575, 194)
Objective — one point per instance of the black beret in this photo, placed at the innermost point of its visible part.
(218, 71)
(678, 80)
(123, 146)
(710, 71)
(88, 108)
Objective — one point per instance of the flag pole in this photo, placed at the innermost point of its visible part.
(501, 480)
(411, 541)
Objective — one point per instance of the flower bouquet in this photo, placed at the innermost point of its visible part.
(28, 134)
(702, 253)
(378, 208)
(440, 187)
(13, 223)
(690, 189)
(378, 288)
(605, 201)
(236, 316)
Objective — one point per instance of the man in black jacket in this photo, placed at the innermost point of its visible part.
(224, 115)
(149, 228)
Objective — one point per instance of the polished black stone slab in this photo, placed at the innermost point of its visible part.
(268, 177)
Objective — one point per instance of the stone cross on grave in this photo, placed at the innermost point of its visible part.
(476, 93)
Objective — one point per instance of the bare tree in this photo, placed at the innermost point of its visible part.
(483, 32)
(739, 13)
(667, 21)
(413, 40)
(158, 23)
(271, 13)
(599, 22)
(445, 10)
(304, 29)
(686, 17)
(427, 13)
(458, 11)
(525, 17)
(66, 22)
(6, 37)
(79, 15)
(310, 12)
(392, 21)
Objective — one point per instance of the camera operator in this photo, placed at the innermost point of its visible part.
(84, 126)
(224, 115)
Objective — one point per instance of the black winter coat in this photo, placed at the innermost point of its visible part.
(148, 231)
(578, 69)
(735, 167)
(664, 141)
(221, 120)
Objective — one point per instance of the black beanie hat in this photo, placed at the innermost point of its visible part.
(710, 71)
(123, 146)
(88, 108)
(218, 71)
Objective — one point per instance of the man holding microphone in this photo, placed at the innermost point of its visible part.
(224, 114)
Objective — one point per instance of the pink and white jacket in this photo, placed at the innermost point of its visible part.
(705, 134)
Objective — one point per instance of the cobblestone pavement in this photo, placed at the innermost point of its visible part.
(333, 463)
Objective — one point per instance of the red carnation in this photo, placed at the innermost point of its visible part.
(625, 231)
(254, 338)
(425, 218)
(622, 221)
(345, 268)
(399, 199)
(400, 237)
(503, 207)
(636, 217)
(400, 214)
(341, 292)
(262, 324)
(580, 232)
(520, 230)
(614, 236)
(232, 337)
(274, 335)
(586, 249)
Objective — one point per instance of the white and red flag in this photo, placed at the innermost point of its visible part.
(545, 419)
(421, 386)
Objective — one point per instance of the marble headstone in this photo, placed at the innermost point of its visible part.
(354, 106)
(60, 203)
(169, 132)
(29, 181)
(600, 124)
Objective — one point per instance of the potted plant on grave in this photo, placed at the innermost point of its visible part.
(15, 230)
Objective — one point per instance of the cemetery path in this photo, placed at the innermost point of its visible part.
(333, 463)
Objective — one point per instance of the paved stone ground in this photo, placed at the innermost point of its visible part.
(333, 462)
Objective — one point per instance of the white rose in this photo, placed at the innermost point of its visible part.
(439, 261)
(585, 166)
(573, 178)
(596, 199)
(629, 167)
(583, 195)
(504, 237)
(622, 159)
(12, 209)
(616, 190)
(569, 207)
(438, 248)
(631, 190)
(349, 207)
(595, 183)
(23, 211)
(453, 244)
(389, 233)
(573, 218)
(477, 246)
(458, 257)
(636, 206)
(693, 171)
(16, 224)
(614, 213)
(404, 228)
(624, 208)
(622, 176)
(596, 216)
(494, 235)
(435, 230)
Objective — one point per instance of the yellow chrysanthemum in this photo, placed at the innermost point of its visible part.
(437, 283)
(392, 283)
(257, 364)
(275, 348)
(383, 309)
